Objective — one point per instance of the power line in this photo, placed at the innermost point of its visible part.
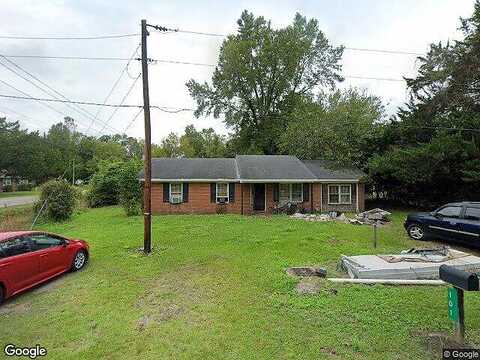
(123, 99)
(386, 51)
(100, 37)
(125, 69)
(26, 118)
(177, 62)
(372, 78)
(175, 110)
(212, 65)
(28, 97)
(74, 107)
(201, 33)
(132, 121)
(67, 57)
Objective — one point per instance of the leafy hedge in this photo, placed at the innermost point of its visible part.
(60, 199)
(130, 188)
(114, 184)
(104, 187)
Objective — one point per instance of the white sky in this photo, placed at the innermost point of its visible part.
(407, 25)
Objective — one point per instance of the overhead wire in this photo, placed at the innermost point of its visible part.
(132, 121)
(123, 99)
(74, 107)
(99, 37)
(115, 84)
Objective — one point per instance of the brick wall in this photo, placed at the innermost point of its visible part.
(199, 200)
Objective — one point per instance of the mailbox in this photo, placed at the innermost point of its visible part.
(458, 278)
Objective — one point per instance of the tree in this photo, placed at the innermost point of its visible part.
(59, 199)
(169, 147)
(205, 143)
(130, 187)
(341, 126)
(262, 73)
(434, 150)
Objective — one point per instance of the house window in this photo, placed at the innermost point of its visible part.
(176, 193)
(222, 193)
(7, 181)
(339, 194)
(290, 193)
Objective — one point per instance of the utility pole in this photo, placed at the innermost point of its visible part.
(147, 187)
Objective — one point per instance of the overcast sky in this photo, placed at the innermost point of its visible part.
(405, 25)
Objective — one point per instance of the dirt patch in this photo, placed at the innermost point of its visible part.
(329, 351)
(50, 285)
(306, 271)
(15, 308)
(176, 296)
(308, 286)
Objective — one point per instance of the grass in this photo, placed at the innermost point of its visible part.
(215, 288)
(16, 217)
(4, 195)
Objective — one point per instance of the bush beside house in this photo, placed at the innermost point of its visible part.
(59, 198)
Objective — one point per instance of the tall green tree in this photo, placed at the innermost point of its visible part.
(262, 73)
(205, 143)
(434, 153)
(342, 126)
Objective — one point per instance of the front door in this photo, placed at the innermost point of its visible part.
(259, 197)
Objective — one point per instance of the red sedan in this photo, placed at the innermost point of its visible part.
(28, 258)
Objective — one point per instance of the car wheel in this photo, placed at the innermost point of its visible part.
(416, 232)
(80, 260)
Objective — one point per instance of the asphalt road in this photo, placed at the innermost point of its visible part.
(17, 200)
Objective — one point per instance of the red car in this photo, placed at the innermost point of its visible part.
(28, 258)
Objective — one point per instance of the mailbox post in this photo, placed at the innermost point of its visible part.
(461, 281)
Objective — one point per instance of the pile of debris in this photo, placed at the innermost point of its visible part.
(331, 216)
(370, 217)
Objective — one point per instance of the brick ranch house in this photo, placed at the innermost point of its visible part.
(252, 184)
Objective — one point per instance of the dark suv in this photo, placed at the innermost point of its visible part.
(454, 222)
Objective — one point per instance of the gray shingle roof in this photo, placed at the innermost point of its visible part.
(193, 169)
(323, 169)
(248, 168)
(272, 167)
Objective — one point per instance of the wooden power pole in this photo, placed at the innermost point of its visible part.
(147, 189)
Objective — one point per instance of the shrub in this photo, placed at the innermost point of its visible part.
(130, 188)
(25, 187)
(60, 197)
(104, 186)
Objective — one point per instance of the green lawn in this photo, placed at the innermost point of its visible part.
(215, 288)
(17, 193)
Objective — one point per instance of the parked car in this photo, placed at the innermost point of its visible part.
(28, 258)
(459, 222)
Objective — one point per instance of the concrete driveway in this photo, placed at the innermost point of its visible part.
(17, 200)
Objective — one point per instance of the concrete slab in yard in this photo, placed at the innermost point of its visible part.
(409, 267)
